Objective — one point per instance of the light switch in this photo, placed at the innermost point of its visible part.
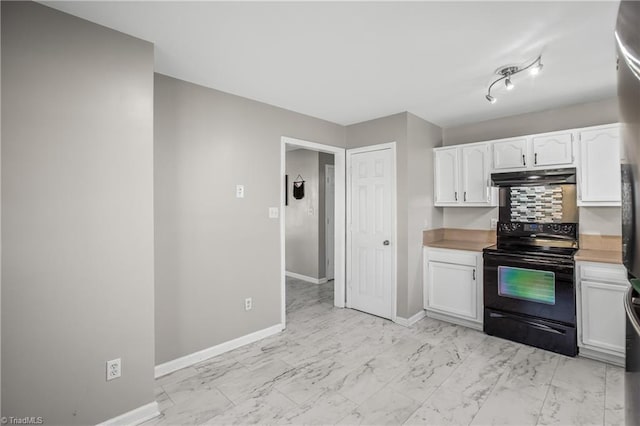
(273, 212)
(310, 211)
(239, 191)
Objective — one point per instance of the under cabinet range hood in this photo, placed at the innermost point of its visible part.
(535, 177)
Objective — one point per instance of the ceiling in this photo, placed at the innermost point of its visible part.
(348, 62)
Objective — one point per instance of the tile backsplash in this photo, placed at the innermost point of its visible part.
(536, 204)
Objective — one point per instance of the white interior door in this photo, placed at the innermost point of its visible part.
(372, 238)
(329, 229)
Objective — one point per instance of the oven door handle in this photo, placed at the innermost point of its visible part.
(520, 258)
(539, 326)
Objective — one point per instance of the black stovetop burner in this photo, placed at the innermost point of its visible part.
(540, 239)
(527, 250)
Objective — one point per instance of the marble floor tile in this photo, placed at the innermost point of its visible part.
(269, 408)
(162, 399)
(326, 408)
(307, 381)
(426, 370)
(509, 406)
(200, 407)
(447, 407)
(386, 407)
(245, 384)
(614, 398)
(530, 372)
(580, 373)
(342, 366)
(566, 405)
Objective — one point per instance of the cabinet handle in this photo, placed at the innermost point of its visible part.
(535, 158)
(455, 194)
(465, 196)
(524, 161)
(474, 274)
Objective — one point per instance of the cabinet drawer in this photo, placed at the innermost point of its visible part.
(615, 274)
(452, 256)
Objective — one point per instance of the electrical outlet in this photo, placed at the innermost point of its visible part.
(494, 223)
(114, 369)
(248, 304)
(273, 212)
(239, 191)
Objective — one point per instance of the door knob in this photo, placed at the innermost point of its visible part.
(385, 242)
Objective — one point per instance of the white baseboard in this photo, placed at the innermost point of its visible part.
(135, 416)
(306, 278)
(196, 357)
(408, 322)
(601, 356)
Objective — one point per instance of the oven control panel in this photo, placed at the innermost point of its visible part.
(523, 228)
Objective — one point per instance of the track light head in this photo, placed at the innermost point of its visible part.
(508, 84)
(491, 99)
(536, 68)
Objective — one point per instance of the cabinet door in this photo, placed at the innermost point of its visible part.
(510, 154)
(600, 167)
(554, 149)
(451, 289)
(602, 315)
(475, 174)
(446, 175)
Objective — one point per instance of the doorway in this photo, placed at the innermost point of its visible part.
(338, 215)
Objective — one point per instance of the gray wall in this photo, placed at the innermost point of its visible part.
(414, 139)
(323, 160)
(77, 199)
(593, 220)
(580, 115)
(212, 249)
(422, 137)
(302, 216)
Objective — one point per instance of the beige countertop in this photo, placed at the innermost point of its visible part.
(600, 248)
(604, 256)
(459, 239)
(593, 248)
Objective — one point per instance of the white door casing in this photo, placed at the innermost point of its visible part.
(371, 239)
(339, 219)
(329, 197)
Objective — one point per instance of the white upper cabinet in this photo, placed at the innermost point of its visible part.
(510, 154)
(553, 149)
(446, 175)
(463, 172)
(475, 173)
(462, 176)
(599, 166)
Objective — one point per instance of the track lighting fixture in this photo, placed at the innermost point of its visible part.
(507, 72)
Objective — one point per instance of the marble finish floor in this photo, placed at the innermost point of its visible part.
(340, 366)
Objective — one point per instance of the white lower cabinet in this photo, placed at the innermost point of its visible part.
(453, 286)
(601, 317)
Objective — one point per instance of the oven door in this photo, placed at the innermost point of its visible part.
(531, 285)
